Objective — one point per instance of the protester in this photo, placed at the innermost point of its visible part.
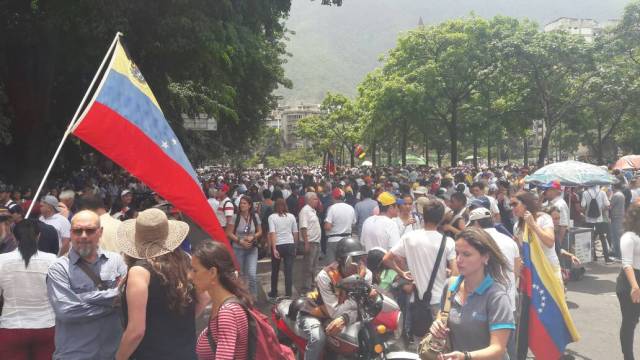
(628, 282)
(595, 203)
(552, 192)
(481, 318)
(244, 232)
(364, 208)
(82, 289)
(123, 208)
(340, 219)
(283, 237)
(381, 230)
(66, 204)
(310, 233)
(617, 213)
(227, 332)
(158, 301)
(49, 210)
(407, 219)
(7, 240)
(27, 320)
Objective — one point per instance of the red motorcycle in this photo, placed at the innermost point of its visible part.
(375, 334)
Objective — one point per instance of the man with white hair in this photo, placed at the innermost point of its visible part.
(310, 232)
(67, 198)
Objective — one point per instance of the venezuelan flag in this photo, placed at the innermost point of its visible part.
(545, 321)
(124, 121)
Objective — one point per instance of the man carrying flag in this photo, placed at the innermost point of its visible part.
(545, 324)
(123, 120)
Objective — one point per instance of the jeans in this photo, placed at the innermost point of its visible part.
(288, 254)
(314, 333)
(248, 262)
(36, 344)
(617, 229)
(630, 313)
(309, 265)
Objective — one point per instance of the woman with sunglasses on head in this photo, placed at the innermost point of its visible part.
(526, 209)
(628, 282)
(244, 233)
(480, 319)
(226, 336)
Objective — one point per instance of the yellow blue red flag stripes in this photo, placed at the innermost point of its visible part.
(124, 122)
(545, 320)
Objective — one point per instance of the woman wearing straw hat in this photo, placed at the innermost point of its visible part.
(157, 297)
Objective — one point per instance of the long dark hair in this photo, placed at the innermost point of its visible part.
(173, 270)
(632, 218)
(530, 202)
(281, 207)
(249, 201)
(212, 254)
(27, 233)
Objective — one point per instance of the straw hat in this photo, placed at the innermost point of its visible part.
(150, 235)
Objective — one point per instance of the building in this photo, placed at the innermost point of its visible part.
(285, 119)
(201, 122)
(587, 28)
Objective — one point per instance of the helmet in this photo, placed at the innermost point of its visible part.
(348, 246)
(374, 259)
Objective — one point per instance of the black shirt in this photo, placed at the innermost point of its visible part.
(48, 241)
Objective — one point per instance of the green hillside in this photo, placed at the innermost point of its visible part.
(334, 47)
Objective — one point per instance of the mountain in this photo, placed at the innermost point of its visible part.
(333, 48)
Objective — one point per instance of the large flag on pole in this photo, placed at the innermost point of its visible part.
(124, 122)
(545, 321)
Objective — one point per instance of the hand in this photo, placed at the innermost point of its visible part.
(635, 296)
(373, 294)
(407, 275)
(246, 244)
(456, 355)
(439, 330)
(307, 247)
(335, 326)
(575, 260)
(411, 221)
(528, 218)
(275, 253)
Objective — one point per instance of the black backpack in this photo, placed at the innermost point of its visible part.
(593, 211)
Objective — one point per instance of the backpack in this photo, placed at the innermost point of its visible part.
(235, 208)
(237, 222)
(593, 211)
(263, 342)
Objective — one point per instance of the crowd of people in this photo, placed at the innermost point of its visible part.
(102, 267)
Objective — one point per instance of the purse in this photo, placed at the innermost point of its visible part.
(430, 347)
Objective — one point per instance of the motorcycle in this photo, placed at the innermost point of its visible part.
(375, 334)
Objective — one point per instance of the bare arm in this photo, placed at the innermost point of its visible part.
(137, 296)
(64, 247)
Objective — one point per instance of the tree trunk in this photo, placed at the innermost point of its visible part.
(526, 150)
(599, 149)
(403, 142)
(373, 154)
(426, 149)
(475, 153)
(453, 133)
(489, 150)
(389, 160)
(439, 155)
(353, 156)
(544, 147)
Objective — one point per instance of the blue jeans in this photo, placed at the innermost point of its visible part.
(248, 262)
(314, 333)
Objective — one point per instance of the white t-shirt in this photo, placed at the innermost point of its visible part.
(342, 216)
(601, 199)
(495, 210)
(630, 250)
(420, 248)
(309, 220)
(379, 231)
(225, 208)
(545, 222)
(26, 305)
(405, 229)
(562, 206)
(510, 251)
(61, 224)
(284, 226)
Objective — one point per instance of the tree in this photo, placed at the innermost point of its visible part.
(223, 58)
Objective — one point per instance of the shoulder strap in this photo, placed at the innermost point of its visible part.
(251, 344)
(91, 274)
(436, 266)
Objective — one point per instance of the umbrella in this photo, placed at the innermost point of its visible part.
(414, 160)
(628, 162)
(571, 173)
(367, 163)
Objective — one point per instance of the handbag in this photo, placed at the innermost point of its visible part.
(430, 347)
(420, 309)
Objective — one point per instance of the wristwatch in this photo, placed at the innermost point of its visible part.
(467, 356)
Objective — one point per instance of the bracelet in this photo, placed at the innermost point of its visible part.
(467, 356)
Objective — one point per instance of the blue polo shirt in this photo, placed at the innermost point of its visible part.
(487, 309)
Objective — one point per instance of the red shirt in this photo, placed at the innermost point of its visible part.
(230, 331)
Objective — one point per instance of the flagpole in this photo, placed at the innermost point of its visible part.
(71, 124)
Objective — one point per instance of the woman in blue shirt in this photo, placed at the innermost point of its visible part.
(480, 319)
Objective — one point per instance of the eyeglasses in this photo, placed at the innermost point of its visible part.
(79, 231)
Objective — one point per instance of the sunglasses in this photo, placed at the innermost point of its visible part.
(88, 231)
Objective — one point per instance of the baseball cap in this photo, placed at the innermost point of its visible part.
(478, 214)
(555, 184)
(480, 202)
(51, 201)
(386, 199)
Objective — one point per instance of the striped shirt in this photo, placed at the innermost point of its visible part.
(230, 331)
